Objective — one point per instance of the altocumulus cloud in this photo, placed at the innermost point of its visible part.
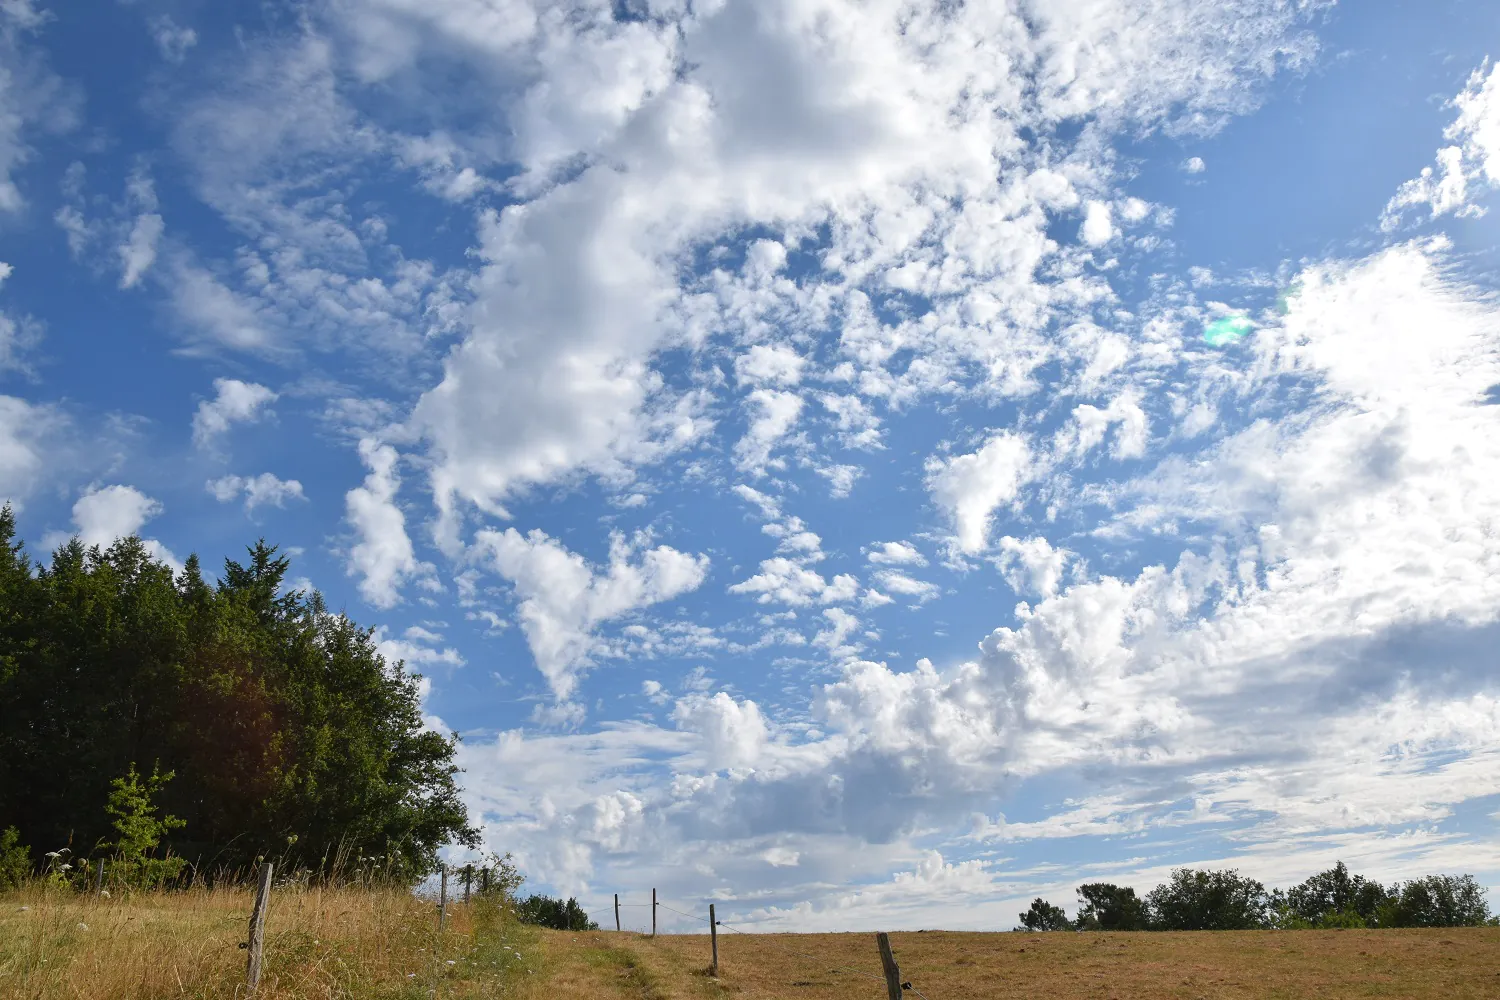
(900, 512)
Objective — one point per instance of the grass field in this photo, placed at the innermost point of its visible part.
(384, 944)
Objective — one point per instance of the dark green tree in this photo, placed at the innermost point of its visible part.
(1208, 901)
(1107, 907)
(289, 735)
(544, 911)
(1043, 916)
(1437, 901)
(1335, 898)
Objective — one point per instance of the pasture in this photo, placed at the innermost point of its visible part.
(359, 943)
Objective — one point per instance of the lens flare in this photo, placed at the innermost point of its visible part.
(1227, 330)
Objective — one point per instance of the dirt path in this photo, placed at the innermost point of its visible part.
(596, 966)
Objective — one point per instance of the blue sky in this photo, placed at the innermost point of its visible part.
(869, 464)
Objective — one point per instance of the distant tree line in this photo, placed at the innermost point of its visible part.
(1204, 900)
(154, 714)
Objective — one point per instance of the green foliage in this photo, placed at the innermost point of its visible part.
(544, 911)
(1437, 901)
(139, 831)
(1106, 907)
(15, 859)
(289, 735)
(1043, 916)
(1335, 898)
(1208, 901)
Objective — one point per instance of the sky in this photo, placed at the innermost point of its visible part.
(864, 463)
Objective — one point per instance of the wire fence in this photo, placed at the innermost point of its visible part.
(766, 939)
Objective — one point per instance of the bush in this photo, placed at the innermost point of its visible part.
(544, 911)
(1043, 916)
(1103, 906)
(1208, 901)
(15, 859)
(1437, 901)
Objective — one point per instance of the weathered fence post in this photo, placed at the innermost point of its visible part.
(888, 963)
(713, 937)
(443, 896)
(468, 882)
(257, 938)
(99, 881)
(653, 913)
(485, 880)
(617, 911)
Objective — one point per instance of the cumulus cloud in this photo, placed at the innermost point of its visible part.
(1031, 565)
(562, 599)
(970, 487)
(383, 558)
(103, 515)
(895, 554)
(234, 402)
(1464, 169)
(257, 490)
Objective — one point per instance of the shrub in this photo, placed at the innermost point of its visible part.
(15, 859)
(544, 911)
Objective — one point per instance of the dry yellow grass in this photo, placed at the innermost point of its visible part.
(338, 943)
(1459, 964)
(358, 944)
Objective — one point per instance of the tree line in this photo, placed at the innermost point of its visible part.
(1207, 900)
(156, 714)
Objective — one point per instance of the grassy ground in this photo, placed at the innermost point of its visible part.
(347, 943)
(359, 944)
(1413, 965)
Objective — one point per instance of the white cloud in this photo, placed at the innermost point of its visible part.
(563, 599)
(969, 487)
(896, 582)
(1466, 168)
(383, 558)
(789, 581)
(262, 489)
(895, 554)
(25, 429)
(776, 413)
(1097, 228)
(103, 515)
(1031, 566)
(770, 363)
(1194, 165)
(17, 336)
(418, 648)
(172, 40)
(32, 98)
(234, 402)
(734, 733)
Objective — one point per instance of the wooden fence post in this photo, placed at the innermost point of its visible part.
(888, 963)
(443, 896)
(485, 880)
(468, 882)
(653, 913)
(617, 911)
(257, 938)
(713, 937)
(99, 881)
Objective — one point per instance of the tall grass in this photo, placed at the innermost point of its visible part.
(347, 942)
